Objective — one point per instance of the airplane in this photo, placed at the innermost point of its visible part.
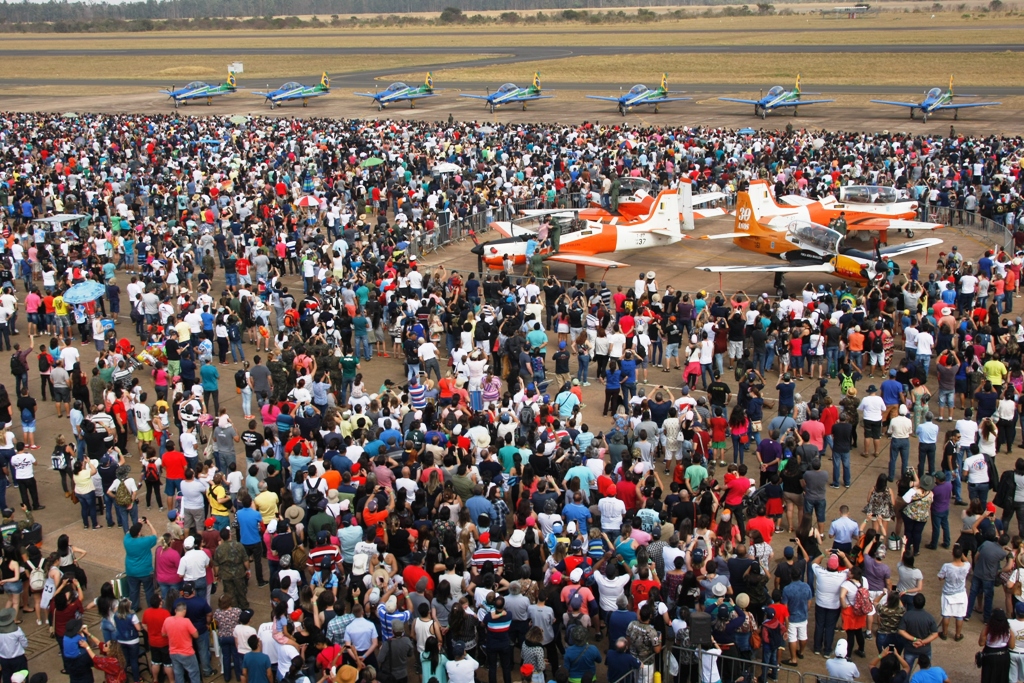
(197, 90)
(642, 221)
(400, 92)
(805, 247)
(864, 208)
(640, 94)
(510, 93)
(935, 101)
(777, 98)
(297, 91)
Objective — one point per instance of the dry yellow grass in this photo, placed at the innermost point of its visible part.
(258, 68)
(817, 70)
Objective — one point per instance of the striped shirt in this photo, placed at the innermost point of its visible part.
(418, 396)
(498, 630)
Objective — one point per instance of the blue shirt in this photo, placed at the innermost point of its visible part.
(928, 432)
(138, 558)
(844, 530)
(796, 595)
(207, 320)
(256, 665)
(574, 512)
(478, 505)
(581, 661)
(628, 370)
(249, 526)
(209, 376)
(934, 674)
(891, 390)
(73, 646)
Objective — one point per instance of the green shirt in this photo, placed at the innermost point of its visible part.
(138, 555)
(348, 367)
(506, 454)
(696, 474)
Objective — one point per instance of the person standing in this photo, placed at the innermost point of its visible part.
(180, 632)
(918, 629)
(231, 568)
(23, 465)
(498, 624)
(954, 593)
(138, 562)
(249, 520)
(828, 580)
(13, 643)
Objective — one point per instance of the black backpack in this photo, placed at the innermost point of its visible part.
(877, 344)
(17, 365)
(240, 379)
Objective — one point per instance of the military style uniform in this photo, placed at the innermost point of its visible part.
(279, 376)
(230, 558)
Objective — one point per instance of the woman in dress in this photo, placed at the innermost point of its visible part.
(853, 623)
(881, 505)
(919, 395)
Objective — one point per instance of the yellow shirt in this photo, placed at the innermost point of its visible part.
(216, 508)
(994, 371)
(266, 505)
(184, 332)
(59, 307)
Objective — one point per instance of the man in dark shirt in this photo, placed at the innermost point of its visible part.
(988, 562)
(842, 444)
(815, 485)
(252, 440)
(919, 629)
(719, 392)
(198, 611)
(739, 565)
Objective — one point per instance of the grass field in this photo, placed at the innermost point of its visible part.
(971, 69)
(205, 67)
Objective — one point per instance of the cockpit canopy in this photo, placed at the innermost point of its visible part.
(630, 186)
(397, 86)
(638, 89)
(775, 91)
(868, 194)
(813, 236)
(195, 85)
(934, 93)
(508, 87)
(291, 85)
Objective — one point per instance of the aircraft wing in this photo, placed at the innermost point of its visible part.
(601, 97)
(799, 103)
(907, 247)
(969, 104)
(796, 200)
(724, 236)
(706, 197)
(366, 94)
(659, 100)
(784, 267)
(891, 224)
(589, 261)
(913, 105)
(406, 98)
(707, 213)
(475, 97)
(735, 99)
(527, 98)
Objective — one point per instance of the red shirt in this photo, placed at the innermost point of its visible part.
(626, 492)
(640, 589)
(174, 464)
(242, 266)
(61, 618)
(413, 574)
(764, 525)
(736, 489)
(153, 620)
(718, 427)
(180, 632)
(781, 612)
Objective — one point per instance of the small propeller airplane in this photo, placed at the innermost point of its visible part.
(777, 98)
(804, 246)
(400, 92)
(935, 100)
(198, 90)
(641, 221)
(510, 93)
(640, 94)
(865, 208)
(292, 91)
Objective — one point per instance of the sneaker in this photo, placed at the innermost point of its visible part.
(586, 384)
(817, 653)
(834, 486)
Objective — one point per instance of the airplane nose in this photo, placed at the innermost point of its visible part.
(478, 249)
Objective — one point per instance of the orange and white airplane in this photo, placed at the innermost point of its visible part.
(642, 221)
(805, 247)
(865, 208)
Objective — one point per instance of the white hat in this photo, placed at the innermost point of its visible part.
(375, 596)
(518, 536)
(391, 605)
(945, 311)
(360, 564)
(272, 526)
(903, 410)
(842, 648)
(571, 528)
(190, 542)
(718, 590)
(576, 574)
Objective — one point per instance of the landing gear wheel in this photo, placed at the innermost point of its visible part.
(622, 110)
(911, 113)
(757, 110)
(910, 234)
(380, 107)
(924, 118)
(175, 104)
(956, 114)
(305, 104)
(794, 111)
(492, 108)
(272, 105)
(764, 112)
(655, 109)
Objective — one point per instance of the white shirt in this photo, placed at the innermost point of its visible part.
(192, 565)
(22, 464)
(285, 655)
(267, 642)
(129, 483)
(612, 509)
(925, 343)
(827, 585)
(142, 417)
(968, 432)
(427, 351)
(610, 589)
(968, 283)
(872, 408)
(193, 494)
(462, 670)
(70, 355)
(188, 444)
(709, 666)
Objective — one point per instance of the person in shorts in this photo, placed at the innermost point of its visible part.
(159, 647)
(143, 422)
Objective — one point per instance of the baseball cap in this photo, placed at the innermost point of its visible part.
(576, 575)
(833, 562)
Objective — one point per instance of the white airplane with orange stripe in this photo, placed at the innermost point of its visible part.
(805, 247)
(865, 208)
(642, 221)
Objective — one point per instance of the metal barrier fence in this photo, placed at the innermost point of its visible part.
(695, 663)
(974, 224)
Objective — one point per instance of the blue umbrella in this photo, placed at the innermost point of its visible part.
(747, 131)
(84, 292)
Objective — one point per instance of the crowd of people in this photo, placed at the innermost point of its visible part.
(464, 512)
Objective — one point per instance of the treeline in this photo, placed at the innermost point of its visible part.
(174, 15)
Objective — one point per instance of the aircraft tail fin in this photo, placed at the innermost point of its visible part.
(325, 81)
(429, 81)
(684, 194)
(951, 84)
(746, 216)
(664, 82)
(796, 86)
(761, 201)
(536, 81)
(231, 82)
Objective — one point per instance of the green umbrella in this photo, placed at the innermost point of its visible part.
(69, 115)
(372, 161)
(238, 119)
